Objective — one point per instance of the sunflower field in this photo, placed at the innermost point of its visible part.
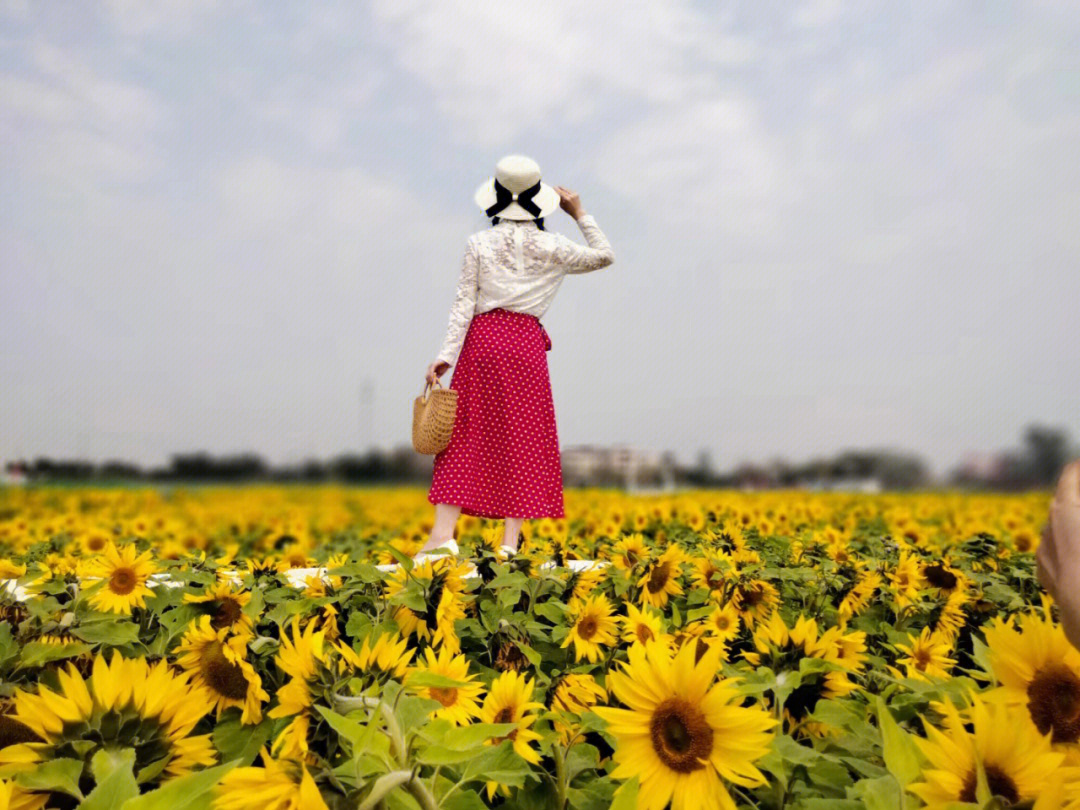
(275, 648)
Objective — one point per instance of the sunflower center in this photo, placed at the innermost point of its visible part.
(227, 613)
(96, 543)
(447, 696)
(505, 715)
(122, 581)
(225, 677)
(659, 577)
(1023, 543)
(586, 628)
(999, 782)
(752, 597)
(12, 732)
(922, 659)
(644, 633)
(937, 576)
(1054, 702)
(680, 734)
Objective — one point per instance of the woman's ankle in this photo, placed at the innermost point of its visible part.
(437, 541)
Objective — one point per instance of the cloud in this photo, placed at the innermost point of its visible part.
(709, 163)
(499, 70)
(77, 127)
(817, 13)
(172, 17)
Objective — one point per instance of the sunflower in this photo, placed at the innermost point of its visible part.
(755, 599)
(1016, 764)
(298, 657)
(225, 604)
(948, 617)
(280, 784)
(594, 627)
(857, 599)
(639, 625)
(125, 574)
(444, 606)
(682, 734)
(388, 654)
(1038, 669)
(782, 648)
(582, 583)
(723, 622)
(460, 704)
(629, 551)
(711, 572)
(905, 580)
(14, 797)
(125, 703)
(217, 660)
(945, 578)
(927, 656)
(509, 700)
(661, 578)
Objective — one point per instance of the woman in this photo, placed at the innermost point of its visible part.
(502, 460)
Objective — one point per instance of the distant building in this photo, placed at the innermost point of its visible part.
(630, 467)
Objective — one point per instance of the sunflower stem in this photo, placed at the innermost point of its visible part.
(393, 729)
(422, 795)
(560, 775)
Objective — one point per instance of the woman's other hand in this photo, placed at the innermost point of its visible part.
(436, 369)
(570, 202)
(1058, 557)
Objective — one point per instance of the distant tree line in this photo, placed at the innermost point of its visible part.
(1036, 464)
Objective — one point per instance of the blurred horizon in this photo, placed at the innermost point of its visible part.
(235, 227)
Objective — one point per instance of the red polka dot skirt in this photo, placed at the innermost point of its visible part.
(503, 456)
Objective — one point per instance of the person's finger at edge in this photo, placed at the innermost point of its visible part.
(1068, 487)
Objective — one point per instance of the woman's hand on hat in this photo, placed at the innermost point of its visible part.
(436, 369)
(570, 202)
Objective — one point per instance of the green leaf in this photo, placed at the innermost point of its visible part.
(56, 774)
(464, 738)
(422, 678)
(626, 797)
(403, 559)
(37, 653)
(115, 781)
(9, 648)
(412, 711)
(882, 793)
(498, 764)
(902, 757)
(464, 800)
(180, 793)
(114, 633)
(349, 729)
(236, 741)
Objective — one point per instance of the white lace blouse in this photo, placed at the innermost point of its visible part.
(517, 266)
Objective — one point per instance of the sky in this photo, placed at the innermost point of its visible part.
(835, 225)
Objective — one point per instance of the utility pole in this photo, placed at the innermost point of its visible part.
(367, 408)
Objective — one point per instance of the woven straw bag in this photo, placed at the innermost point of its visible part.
(433, 418)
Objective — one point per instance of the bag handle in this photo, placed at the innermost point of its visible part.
(428, 387)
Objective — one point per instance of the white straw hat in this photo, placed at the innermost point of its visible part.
(516, 182)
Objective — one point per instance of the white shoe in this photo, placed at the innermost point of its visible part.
(449, 545)
(506, 552)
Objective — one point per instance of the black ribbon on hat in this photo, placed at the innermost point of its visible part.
(504, 196)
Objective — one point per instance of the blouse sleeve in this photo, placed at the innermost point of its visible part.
(579, 258)
(461, 311)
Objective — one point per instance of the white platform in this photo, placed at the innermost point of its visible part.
(297, 577)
